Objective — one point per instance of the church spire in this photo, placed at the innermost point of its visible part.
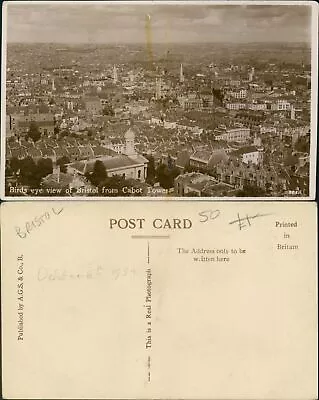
(181, 74)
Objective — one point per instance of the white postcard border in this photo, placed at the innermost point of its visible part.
(314, 99)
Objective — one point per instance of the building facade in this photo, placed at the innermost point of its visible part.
(235, 134)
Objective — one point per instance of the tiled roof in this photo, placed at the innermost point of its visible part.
(121, 162)
(182, 159)
(101, 151)
(47, 152)
(217, 157)
(60, 152)
(244, 150)
(34, 152)
(84, 150)
(202, 155)
(19, 152)
(111, 163)
(291, 160)
(26, 124)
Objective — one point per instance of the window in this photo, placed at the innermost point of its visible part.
(139, 174)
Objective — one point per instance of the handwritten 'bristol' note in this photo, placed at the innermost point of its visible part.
(205, 300)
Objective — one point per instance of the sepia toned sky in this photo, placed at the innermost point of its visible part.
(125, 23)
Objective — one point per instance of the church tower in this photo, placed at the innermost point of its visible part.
(251, 74)
(158, 89)
(130, 143)
(114, 74)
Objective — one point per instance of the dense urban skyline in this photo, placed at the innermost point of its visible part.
(114, 23)
(158, 100)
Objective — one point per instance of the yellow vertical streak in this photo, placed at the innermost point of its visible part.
(168, 36)
(148, 33)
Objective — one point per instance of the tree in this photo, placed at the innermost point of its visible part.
(64, 133)
(15, 164)
(170, 163)
(98, 174)
(218, 95)
(8, 169)
(108, 110)
(29, 173)
(166, 175)
(251, 191)
(34, 132)
(150, 170)
(302, 145)
(45, 167)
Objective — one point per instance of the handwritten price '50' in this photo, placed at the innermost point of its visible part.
(209, 215)
(241, 221)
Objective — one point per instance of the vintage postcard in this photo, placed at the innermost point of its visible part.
(159, 99)
(182, 300)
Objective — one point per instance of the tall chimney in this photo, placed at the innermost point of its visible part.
(58, 173)
(292, 112)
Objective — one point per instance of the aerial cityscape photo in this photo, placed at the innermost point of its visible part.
(157, 100)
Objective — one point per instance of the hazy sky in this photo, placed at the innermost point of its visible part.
(123, 23)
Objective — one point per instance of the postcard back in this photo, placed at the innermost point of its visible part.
(197, 301)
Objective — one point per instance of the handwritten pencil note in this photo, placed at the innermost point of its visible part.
(167, 300)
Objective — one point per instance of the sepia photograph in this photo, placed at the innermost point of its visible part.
(159, 100)
(176, 300)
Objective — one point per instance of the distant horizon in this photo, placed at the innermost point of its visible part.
(155, 23)
(159, 43)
